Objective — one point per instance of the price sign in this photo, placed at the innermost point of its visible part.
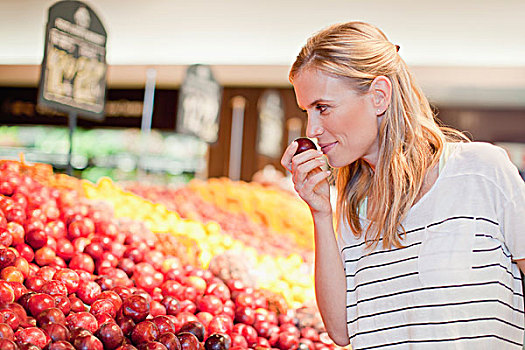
(73, 74)
(199, 104)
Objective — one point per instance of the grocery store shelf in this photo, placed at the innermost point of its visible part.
(58, 160)
(124, 162)
(121, 149)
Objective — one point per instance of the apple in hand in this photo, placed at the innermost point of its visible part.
(304, 144)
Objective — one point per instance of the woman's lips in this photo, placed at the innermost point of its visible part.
(326, 147)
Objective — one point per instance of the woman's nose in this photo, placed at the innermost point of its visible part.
(313, 128)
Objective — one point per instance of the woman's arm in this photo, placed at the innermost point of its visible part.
(330, 281)
(310, 182)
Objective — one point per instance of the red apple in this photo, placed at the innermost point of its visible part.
(220, 324)
(136, 307)
(112, 296)
(88, 291)
(40, 302)
(238, 340)
(164, 324)
(204, 318)
(88, 342)
(244, 315)
(103, 306)
(304, 144)
(6, 332)
(17, 232)
(220, 290)
(210, 303)
(144, 332)
(83, 262)
(82, 320)
(111, 335)
(56, 332)
(287, 341)
(32, 335)
(188, 341)
(70, 279)
(10, 318)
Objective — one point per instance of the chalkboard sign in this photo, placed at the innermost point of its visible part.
(73, 74)
(199, 104)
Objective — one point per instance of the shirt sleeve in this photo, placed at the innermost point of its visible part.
(514, 223)
(339, 232)
(512, 215)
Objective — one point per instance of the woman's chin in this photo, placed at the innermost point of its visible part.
(333, 163)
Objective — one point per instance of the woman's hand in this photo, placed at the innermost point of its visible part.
(310, 182)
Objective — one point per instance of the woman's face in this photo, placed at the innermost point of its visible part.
(344, 121)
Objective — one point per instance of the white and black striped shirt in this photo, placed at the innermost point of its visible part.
(453, 285)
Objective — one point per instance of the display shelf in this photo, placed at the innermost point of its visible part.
(125, 150)
(58, 160)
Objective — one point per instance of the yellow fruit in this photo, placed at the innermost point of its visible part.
(282, 212)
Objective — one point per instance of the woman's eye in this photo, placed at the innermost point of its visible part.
(321, 108)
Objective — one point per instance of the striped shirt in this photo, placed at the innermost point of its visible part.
(453, 284)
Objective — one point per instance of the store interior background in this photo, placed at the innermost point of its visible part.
(468, 56)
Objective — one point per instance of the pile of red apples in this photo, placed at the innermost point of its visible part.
(74, 277)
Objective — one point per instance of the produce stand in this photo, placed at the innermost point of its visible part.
(213, 264)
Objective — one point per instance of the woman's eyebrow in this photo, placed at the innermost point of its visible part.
(316, 102)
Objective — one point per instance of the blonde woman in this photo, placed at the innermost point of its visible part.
(431, 227)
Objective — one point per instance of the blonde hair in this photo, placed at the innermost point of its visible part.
(411, 141)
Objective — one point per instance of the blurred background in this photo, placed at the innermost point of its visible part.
(468, 56)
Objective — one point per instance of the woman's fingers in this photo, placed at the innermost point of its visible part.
(286, 159)
(289, 160)
(309, 183)
(302, 170)
(308, 177)
(316, 179)
(315, 190)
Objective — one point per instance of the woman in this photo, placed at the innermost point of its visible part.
(430, 227)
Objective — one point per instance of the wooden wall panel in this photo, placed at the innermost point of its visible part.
(490, 125)
(219, 152)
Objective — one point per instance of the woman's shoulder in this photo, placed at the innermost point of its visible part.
(481, 158)
(479, 154)
(479, 150)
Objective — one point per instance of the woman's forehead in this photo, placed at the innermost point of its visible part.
(312, 86)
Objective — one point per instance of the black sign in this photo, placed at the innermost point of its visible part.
(73, 75)
(199, 104)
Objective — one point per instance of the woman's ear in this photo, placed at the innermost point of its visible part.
(381, 92)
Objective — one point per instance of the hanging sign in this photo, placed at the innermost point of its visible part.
(199, 104)
(73, 74)
(270, 124)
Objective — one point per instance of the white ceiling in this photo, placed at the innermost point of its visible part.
(462, 51)
(445, 32)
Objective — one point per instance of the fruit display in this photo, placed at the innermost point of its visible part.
(287, 275)
(189, 204)
(280, 211)
(77, 274)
